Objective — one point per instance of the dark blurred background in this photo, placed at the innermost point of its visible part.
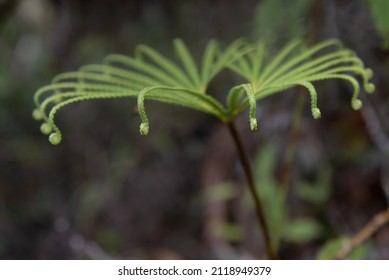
(107, 192)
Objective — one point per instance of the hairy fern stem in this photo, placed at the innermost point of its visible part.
(271, 254)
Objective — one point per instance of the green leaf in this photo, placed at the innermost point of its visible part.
(379, 10)
(208, 62)
(165, 64)
(229, 231)
(161, 76)
(287, 19)
(188, 62)
(278, 59)
(271, 195)
(317, 192)
(234, 98)
(221, 192)
(302, 230)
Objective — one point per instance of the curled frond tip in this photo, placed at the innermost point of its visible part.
(370, 88)
(356, 104)
(253, 124)
(46, 128)
(37, 115)
(144, 129)
(55, 138)
(316, 113)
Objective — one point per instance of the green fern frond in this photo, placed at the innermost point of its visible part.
(150, 75)
(299, 66)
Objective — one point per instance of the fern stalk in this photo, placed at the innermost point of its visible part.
(271, 254)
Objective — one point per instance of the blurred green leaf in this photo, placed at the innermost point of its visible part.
(331, 248)
(271, 194)
(379, 10)
(221, 192)
(302, 230)
(109, 239)
(317, 192)
(281, 20)
(229, 231)
(91, 200)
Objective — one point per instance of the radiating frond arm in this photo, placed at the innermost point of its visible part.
(143, 67)
(302, 56)
(234, 97)
(248, 61)
(188, 62)
(166, 65)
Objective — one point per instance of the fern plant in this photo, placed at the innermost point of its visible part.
(148, 75)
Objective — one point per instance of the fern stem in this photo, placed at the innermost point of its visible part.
(250, 180)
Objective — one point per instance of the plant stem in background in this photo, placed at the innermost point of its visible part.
(292, 142)
(250, 181)
(372, 227)
(298, 110)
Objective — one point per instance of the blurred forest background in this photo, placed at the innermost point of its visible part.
(107, 192)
